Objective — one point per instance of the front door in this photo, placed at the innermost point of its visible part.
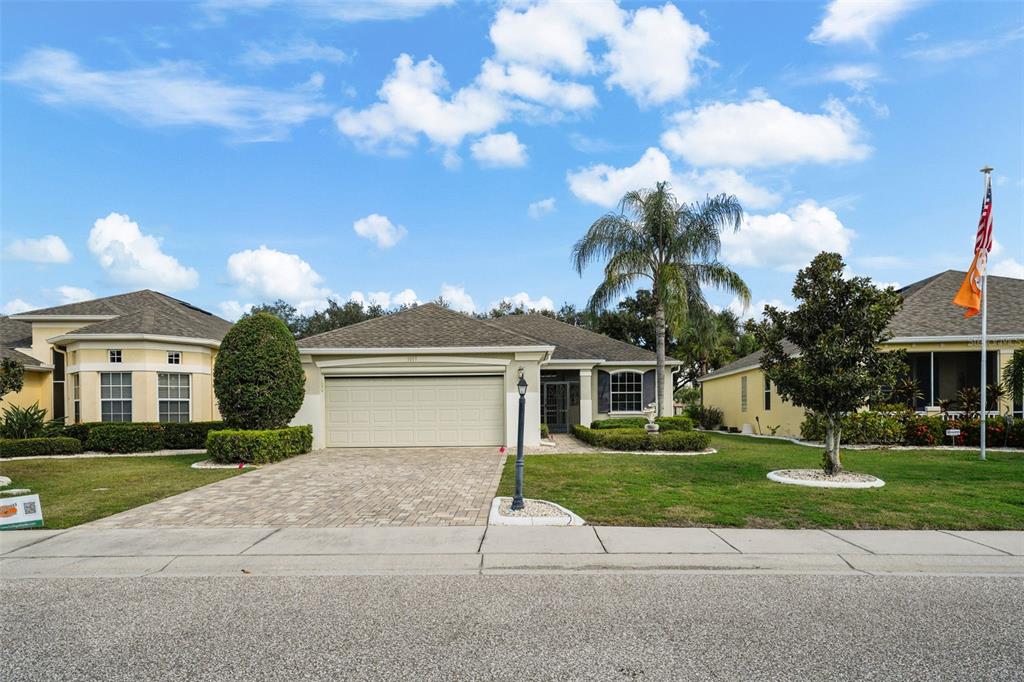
(554, 406)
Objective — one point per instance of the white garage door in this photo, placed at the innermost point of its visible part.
(415, 411)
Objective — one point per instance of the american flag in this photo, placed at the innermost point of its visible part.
(984, 238)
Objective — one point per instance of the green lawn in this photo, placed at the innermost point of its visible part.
(924, 489)
(74, 491)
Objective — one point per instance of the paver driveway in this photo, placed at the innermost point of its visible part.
(330, 488)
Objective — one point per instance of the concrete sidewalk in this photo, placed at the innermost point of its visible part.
(95, 552)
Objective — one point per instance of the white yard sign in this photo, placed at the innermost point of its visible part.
(20, 512)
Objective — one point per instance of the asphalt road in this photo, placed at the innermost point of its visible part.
(524, 627)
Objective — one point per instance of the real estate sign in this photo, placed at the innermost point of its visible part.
(20, 512)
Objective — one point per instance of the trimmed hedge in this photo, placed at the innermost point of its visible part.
(174, 435)
(638, 440)
(258, 446)
(904, 427)
(26, 447)
(680, 423)
(125, 437)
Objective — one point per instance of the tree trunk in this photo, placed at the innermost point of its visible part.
(833, 435)
(659, 345)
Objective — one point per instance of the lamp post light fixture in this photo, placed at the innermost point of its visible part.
(517, 499)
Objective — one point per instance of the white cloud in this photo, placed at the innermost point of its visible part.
(385, 299)
(764, 132)
(538, 209)
(347, 11)
(168, 94)
(522, 299)
(962, 49)
(48, 249)
(1007, 267)
(412, 105)
(70, 294)
(857, 76)
(380, 229)
(605, 185)
(405, 297)
(859, 21)
(299, 50)
(457, 298)
(653, 55)
(232, 310)
(269, 275)
(499, 150)
(531, 84)
(15, 306)
(755, 311)
(786, 241)
(131, 257)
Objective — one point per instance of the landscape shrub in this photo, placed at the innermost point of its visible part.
(860, 428)
(709, 418)
(258, 376)
(544, 432)
(26, 447)
(258, 446)
(638, 440)
(27, 422)
(619, 423)
(924, 430)
(188, 435)
(125, 437)
(678, 423)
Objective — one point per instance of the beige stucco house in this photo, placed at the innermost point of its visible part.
(425, 376)
(943, 350)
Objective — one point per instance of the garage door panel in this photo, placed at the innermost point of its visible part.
(415, 411)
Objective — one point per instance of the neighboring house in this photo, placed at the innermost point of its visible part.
(141, 356)
(431, 376)
(943, 350)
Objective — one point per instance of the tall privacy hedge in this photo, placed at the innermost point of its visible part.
(258, 376)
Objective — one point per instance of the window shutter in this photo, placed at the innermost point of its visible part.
(650, 391)
(604, 392)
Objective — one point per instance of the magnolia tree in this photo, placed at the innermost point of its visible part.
(837, 366)
(12, 376)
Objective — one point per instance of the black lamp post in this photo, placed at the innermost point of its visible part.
(517, 499)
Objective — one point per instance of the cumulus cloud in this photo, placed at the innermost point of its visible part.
(15, 306)
(47, 249)
(786, 241)
(299, 50)
(270, 275)
(380, 229)
(755, 311)
(1007, 267)
(168, 94)
(70, 294)
(539, 209)
(848, 21)
(129, 256)
(232, 310)
(535, 85)
(457, 298)
(413, 103)
(764, 132)
(499, 150)
(523, 300)
(385, 299)
(605, 185)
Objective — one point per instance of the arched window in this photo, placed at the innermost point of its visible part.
(627, 389)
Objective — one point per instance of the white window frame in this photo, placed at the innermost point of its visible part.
(767, 394)
(743, 394)
(76, 398)
(115, 353)
(130, 400)
(612, 391)
(176, 400)
(174, 357)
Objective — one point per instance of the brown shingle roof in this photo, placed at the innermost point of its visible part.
(26, 360)
(425, 326)
(571, 342)
(928, 311)
(15, 333)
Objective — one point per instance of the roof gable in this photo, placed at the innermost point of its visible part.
(572, 342)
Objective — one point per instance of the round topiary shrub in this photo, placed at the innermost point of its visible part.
(258, 376)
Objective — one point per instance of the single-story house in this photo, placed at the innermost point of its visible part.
(943, 350)
(425, 376)
(140, 356)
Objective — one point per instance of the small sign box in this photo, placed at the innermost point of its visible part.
(20, 512)
(952, 432)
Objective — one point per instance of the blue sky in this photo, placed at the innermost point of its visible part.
(239, 151)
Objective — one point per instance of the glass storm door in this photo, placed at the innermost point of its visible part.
(554, 406)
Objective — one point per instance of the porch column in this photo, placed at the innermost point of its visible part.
(586, 402)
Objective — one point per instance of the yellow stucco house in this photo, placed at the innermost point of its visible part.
(943, 350)
(424, 376)
(140, 356)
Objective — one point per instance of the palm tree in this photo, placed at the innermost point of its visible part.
(674, 246)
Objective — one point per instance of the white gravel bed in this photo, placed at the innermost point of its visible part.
(210, 464)
(91, 455)
(817, 478)
(4, 481)
(534, 513)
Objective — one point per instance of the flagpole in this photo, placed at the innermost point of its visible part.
(984, 341)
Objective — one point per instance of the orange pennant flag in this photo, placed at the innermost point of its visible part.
(970, 292)
(969, 295)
